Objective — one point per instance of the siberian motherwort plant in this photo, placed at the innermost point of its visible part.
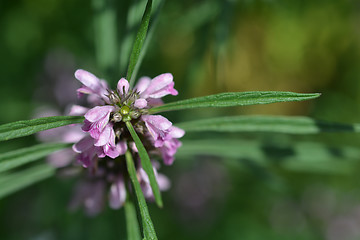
(121, 130)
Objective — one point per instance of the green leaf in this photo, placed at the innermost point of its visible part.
(22, 156)
(147, 41)
(28, 127)
(132, 226)
(105, 35)
(12, 182)
(139, 41)
(301, 156)
(234, 99)
(146, 164)
(133, 19)
(148, 227)
(280, 124)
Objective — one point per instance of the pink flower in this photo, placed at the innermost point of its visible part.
(90, 196)
(91, 85)
(117, 193)
(171, 144)
(158, 87)
(87, 151)
(158, 127)
(163, 182)
(96, 119)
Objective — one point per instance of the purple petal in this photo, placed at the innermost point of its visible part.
(72, 135)
(140, 103)
(158, 127)
(121, 147)
(61, 158)
(160, 86)
(157, 121)
(142, 84)
(88, 79)
(99, 112)
(163, 182)
(117, 194)
(123, 86)
(83, 145)
(77, 110)
(104, 137)
(112, 152)
(176, 132)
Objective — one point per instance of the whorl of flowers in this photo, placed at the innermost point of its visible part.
(108, 138)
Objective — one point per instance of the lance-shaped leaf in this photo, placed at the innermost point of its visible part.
(139, 40)
(301, 156)
(22, 156)
(133, 19)
(146, 164)
(235, 99)
(12, 182)
(280, 124)
(132, 226)
(28, 127)
(147, 40)
(148, 227)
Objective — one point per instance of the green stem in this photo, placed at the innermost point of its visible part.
(132, 226)
(146, 164)
(148, 227)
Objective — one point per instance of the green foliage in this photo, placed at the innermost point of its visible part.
(132, 226)
(300, 156)
(147, 41)
(148, 228)
(146, 164)
(139, 41)
(12, 182)
(22, 156)
(235, 99)
(105, 35)
(279, 124)
(28, 127)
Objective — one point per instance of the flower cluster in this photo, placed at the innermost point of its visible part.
(106, 138)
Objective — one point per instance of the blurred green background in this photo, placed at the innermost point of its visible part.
(209, 46)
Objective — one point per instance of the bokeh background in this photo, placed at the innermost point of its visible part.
(210, 46)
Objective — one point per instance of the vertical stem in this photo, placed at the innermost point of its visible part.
(148, 228)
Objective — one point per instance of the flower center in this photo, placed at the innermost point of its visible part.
(124, 110)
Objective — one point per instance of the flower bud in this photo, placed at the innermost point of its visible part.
(134, 114)
(117, 117)
(113, 97)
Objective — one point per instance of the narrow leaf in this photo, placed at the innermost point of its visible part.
(139, 41)
(132, 226)
(235, 99)
(302, 156)
(280, 124)
(22, 156)
(147, 41)
(133, 19)
(12, 182)
(146, 164)
(28, 127)
(148, 227)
